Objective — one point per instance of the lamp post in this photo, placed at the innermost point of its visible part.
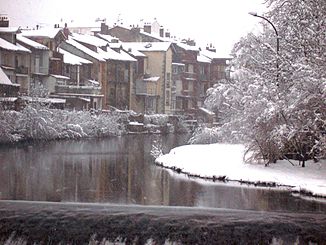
(277, 37)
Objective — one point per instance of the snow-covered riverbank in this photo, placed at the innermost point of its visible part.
(227, 160)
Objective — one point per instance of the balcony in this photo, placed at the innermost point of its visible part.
(56, 56)
(73, 89)
(21, 70)
(190, 76)
(186, 93)
(41, 70)
(145, 88)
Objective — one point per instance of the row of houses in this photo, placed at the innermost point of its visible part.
(141, 69)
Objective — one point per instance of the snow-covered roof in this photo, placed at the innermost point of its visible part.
(60, 77)
(187, 47)
(4, 79)
(135, 52)
(69, 58)
(84, 49)
(42, 32)
(22, 48)
(147, 46)
(12, 47)
(214, 55)
(115, 45)
(9, 29)
(89, 39)
(107, 37)
(203, 59)
(30, 42)
(153, 35)
(126, 56)
(141, 31)
(110, 54)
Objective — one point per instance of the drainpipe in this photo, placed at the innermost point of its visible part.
(78, 75)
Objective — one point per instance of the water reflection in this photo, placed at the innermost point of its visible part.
(121, 170)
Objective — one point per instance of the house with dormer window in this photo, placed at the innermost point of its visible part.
(51, 38)
(114, 67)
(39, 62)
(153, 90)
(14, 59)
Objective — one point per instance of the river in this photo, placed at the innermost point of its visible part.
(119, 172)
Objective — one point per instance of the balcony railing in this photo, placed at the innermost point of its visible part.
(186, 93)
(21, 70)
(73, 89)
(189, 76)
(41, 70)
(144, 88)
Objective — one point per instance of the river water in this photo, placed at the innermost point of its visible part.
(120, 171)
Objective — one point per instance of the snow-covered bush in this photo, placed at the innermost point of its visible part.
(156, 149)
(156, 119)
(181, 127)
(37, 122)
(204, 135)
(8, 131)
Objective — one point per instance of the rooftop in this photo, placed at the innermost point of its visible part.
(69, 58)
(89, 39)
(203, 59)
(4, 79)
(84, 49)
(42, 32)
(214, 55)
(147, 46)
(30, 42)
(12, 47)
(9, 29)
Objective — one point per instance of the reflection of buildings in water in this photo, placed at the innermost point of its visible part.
(120, 170)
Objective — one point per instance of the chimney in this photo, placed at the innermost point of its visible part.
(135, 29)
(211, 48)
(4, 21)
(148, 28)
(104, 28)
(66, 31)
(167, 34)
(161, 31)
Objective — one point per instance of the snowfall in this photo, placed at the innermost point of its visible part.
(227, 160)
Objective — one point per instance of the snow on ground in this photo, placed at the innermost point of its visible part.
(227, 160)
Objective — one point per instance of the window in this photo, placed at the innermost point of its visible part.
(202, 70)
(168, 79)
(190, 68)
(167, 97)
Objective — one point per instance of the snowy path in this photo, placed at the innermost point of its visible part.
(227, 160)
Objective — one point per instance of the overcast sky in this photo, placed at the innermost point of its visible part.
(221, 22)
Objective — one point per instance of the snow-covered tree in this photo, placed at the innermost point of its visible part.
(276, 101)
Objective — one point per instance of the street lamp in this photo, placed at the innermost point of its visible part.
(277, 37)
